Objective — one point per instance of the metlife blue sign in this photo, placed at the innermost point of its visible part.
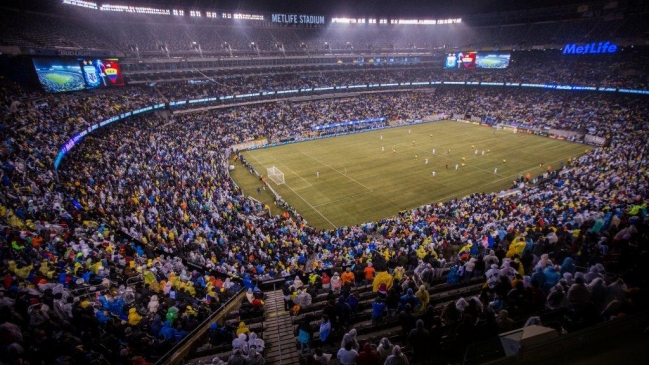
(591, 48)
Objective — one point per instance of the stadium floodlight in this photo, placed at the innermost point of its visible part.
(254, 47)
(275, 175)
(227, 47)
(134, 48)
(197, 47)
(303, 46)
(163, 47)
(280, 47)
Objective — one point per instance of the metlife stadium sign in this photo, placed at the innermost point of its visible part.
(297, 19)
(590, 48)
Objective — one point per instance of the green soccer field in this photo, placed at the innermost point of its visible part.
(374, 175)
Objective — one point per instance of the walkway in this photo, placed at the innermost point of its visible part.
(278, 334)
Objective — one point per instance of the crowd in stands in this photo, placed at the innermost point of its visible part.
(141, 234)
(626, 70)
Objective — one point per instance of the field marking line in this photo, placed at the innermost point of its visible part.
(312, 207)
(343, 198)
(300, 196)
(298, 175)
(338, 171)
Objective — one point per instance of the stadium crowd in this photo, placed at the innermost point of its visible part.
(536, 67)
(141, 233)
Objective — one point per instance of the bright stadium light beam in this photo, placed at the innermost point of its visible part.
(81, 3)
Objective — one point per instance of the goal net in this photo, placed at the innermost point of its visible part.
(275, 175)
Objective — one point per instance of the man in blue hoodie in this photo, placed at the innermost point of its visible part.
(378, 309)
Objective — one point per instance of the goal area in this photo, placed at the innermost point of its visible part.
(275, 175)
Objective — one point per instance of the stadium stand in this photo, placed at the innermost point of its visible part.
(141, 241)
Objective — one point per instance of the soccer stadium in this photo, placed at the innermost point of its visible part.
(322, 183)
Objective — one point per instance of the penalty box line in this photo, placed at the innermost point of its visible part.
(300, 196)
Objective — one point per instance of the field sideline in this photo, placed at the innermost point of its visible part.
(359, 182)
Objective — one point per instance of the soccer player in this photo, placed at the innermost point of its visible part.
(408, 131)
(431, 136)
(382, 148)
(483, 152)
(476, 152)
(433, 151)
(447, 165)
(317, 174)
(495, 170)
(472, 146)
(504, 161)
(416, 157)
(413, 143)
(463, 164)
(456, 166)
(434, 173)
(381, 137)
(426, 162)
(463, 158)
(394, 150)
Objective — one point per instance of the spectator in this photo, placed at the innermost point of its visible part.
(325, 328)
(304, 335)
(397, 357)
(347, 355)
(368, 356)
(384, 349)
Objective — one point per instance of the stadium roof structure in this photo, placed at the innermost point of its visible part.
(343, 7)
(372, 7)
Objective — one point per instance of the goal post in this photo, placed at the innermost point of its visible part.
(275, 175)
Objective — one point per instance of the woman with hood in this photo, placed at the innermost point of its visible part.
(469, 266)
(424, 298)
(326, 281)
(350, 337)
(397, 357)
(567, 266)
(153, 304)
(325, 328)
(336, 283)
(243, 329)
(240, 343)
(538, 276)
(504, 322)
(493, 276)
(557, 298)
(304, 335)
(368, 356)
(133, 317)
(297, 283)
(384, 349)
(551, 278)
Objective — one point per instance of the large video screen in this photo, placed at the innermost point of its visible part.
(72, 74)
(492, 60)
(462, 60)
(59, 74)
(473, 60)
(104, 72)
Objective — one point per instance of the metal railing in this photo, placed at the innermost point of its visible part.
(194, 334)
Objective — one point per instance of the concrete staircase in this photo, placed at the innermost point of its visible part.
(279, 337)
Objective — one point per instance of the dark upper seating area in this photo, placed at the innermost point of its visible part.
(149, 32)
